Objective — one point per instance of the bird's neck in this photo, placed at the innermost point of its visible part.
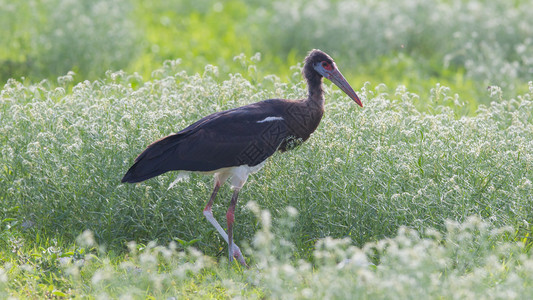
(315, 93)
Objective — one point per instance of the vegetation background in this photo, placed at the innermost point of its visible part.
(426, 192)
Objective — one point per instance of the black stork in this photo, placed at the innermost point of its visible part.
(235, 143)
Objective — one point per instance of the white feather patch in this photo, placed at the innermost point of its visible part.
(270, 119)
(182, 176)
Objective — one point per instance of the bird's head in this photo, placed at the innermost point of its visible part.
(324, 66)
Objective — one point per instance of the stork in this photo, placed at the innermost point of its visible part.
(235, 143)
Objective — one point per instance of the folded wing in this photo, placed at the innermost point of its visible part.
(244, 136)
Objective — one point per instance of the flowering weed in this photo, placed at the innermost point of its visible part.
(376, 178)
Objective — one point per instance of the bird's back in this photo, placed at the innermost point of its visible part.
(242, 136)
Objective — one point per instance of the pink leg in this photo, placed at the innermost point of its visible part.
(230, 218)
(209, 216)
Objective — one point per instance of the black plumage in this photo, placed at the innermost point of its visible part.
(217, 141)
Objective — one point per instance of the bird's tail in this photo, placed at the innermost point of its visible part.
(154, 160)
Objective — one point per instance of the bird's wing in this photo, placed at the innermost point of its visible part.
(244, 136)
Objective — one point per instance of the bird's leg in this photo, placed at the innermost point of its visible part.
(209, 216)
(230, 218)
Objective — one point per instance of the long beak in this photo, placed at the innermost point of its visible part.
(336, 77)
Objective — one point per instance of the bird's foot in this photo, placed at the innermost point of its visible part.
(238, 255)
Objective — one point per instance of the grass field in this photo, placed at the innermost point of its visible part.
(426, 192)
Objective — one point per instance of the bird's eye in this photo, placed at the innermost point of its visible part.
(327, 66)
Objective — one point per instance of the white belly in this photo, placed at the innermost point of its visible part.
(237, 175)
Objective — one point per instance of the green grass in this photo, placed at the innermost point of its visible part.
(465, 45)
(423, 193)
(466, 260)
(364, 174)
